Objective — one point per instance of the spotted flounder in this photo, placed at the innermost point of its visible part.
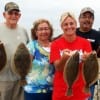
(71, 70)
(90, 70)
(22, 62)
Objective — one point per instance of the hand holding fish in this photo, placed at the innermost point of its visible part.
(71, 70)
(65, 54)
(85, 55)
(90, 70)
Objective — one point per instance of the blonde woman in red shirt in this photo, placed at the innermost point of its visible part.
(61, 50)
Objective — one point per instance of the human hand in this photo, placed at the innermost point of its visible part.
(85, 55)
(67, 53)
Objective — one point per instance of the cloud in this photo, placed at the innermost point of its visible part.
(51, 10)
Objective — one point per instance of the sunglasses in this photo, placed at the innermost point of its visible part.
(16, 13)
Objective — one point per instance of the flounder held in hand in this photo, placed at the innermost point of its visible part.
(71, 71)
(90, 70)
(22, 62)
(3, 56)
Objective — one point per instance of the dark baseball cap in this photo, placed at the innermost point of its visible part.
(11, 6)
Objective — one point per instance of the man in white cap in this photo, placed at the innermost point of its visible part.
(11, 35)
(86, 19)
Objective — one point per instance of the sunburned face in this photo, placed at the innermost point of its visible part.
(69, 26)
(43, 31)
(12, 17)
(86, 21)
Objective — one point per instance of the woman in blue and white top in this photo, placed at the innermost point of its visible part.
(39, 80)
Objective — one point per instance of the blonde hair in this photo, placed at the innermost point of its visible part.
(65, 15)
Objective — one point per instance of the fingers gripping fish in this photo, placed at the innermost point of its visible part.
(90, 70)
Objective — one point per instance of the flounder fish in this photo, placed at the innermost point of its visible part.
(22, 62)
(3, 56)
(71, 71)
(90, 70)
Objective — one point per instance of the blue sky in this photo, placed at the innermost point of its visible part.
(32, 10)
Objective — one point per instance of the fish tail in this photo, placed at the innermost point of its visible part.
(22, 82)
(69, 92)
(87, 89)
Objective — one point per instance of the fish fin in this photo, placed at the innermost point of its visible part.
(87, 89)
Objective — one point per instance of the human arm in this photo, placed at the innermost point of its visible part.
(87, 50)
(59, 64)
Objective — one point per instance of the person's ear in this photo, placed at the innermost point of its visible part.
(19, 15)
(4, 14)
(61, 26)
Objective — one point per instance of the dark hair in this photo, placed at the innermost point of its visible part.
(35, 26)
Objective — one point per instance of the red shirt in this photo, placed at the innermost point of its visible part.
(60, 87)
